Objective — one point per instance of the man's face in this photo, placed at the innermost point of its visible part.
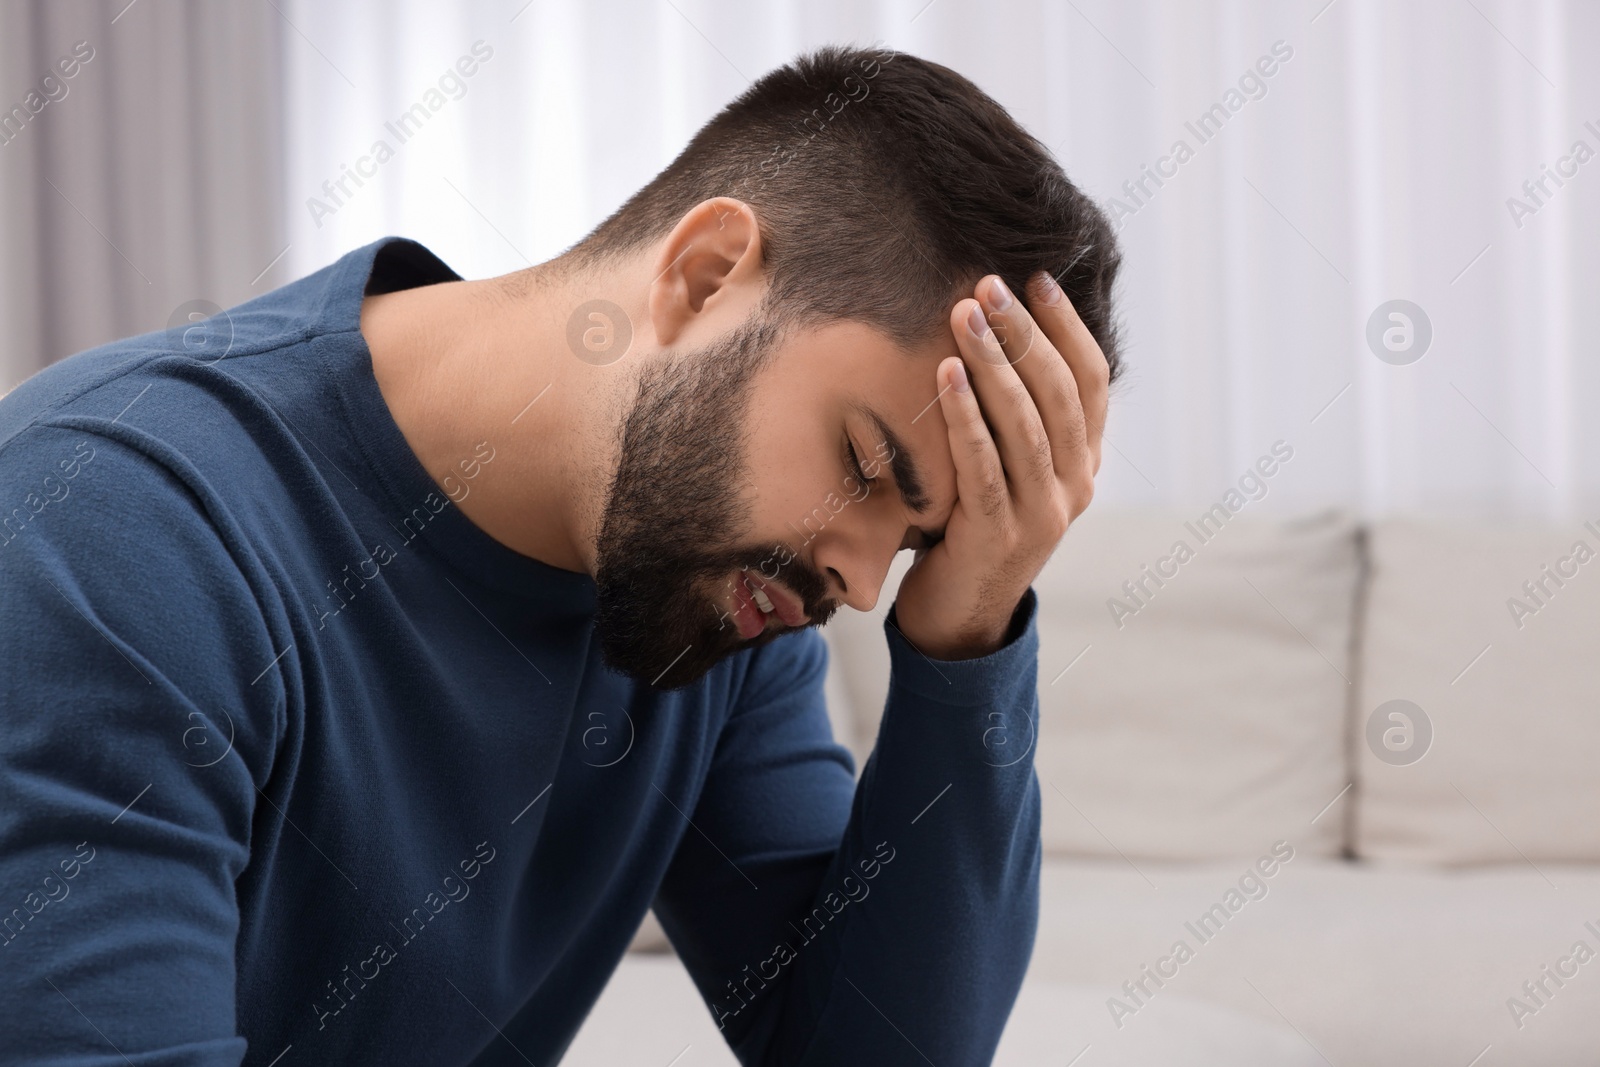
(751, 502)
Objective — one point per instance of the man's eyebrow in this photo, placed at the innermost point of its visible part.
(902, 468)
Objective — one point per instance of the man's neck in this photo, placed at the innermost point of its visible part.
(461, 364)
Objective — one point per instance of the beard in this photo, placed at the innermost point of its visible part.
(674, 517)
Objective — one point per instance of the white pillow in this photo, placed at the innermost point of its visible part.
(1512, 694)
(1210, 722)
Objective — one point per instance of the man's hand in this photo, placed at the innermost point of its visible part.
(1024, 406)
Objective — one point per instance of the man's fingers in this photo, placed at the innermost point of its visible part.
(1045, 373)
(1060, 322)
(980, 479)
(1023, 443)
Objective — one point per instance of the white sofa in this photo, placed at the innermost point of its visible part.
(1222, 712)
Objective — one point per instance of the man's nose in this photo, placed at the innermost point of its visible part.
(857, 569)
(862, 596)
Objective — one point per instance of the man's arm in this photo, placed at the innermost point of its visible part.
(885, 929)
(125, 815)
(901, 946)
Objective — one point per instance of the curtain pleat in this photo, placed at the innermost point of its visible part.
(151, 183)
(1395, 152)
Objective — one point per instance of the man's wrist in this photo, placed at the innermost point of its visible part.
(976, 645)
(981, 637)
(975, 682)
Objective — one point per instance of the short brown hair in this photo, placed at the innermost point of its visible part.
(885, 186)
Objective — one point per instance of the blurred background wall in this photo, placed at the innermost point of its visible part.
(141, 167)
(1393, 152)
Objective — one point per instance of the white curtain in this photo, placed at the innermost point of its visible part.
(145, 183)
(1379, 161)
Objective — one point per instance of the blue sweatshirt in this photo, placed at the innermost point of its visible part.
(299, 766)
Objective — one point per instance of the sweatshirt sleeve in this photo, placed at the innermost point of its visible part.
(888, 925)
(132, 742)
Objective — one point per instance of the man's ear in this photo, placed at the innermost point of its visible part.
(710, 259)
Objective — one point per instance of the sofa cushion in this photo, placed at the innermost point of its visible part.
(1382, 968)
(1377, 967)
(1201, 716)
(1476, 626)
(651, 1013)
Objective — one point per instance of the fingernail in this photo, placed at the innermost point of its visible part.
(1049, 291)
(976, 322)
(958, 377)
(999, 295)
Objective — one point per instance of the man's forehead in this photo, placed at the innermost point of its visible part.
(892, 389)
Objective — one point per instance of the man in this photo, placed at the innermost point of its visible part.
(376, 655)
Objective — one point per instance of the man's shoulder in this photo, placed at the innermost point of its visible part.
(104, 381)
(138, 444)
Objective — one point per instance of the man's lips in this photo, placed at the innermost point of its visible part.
(785, 605)
(750, 619)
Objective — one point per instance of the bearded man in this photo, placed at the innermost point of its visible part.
(394, 642)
